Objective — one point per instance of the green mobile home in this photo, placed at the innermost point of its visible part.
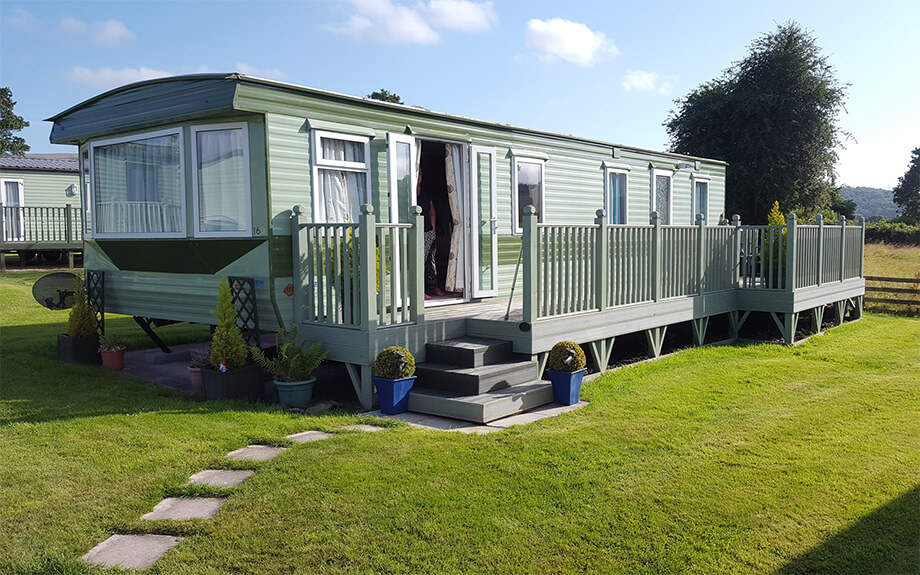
(40, 203)
(361, 221)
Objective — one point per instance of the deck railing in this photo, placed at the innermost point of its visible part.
(37, 225)
(577, 268)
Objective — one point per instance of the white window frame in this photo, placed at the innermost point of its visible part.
(517, 227)
(182, 197)
(694, 180)
(319, 163)
(21, 186)
(196, 207)
(655, 172)
(86, 181)
(607, 192)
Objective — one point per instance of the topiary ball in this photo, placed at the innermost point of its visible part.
(394, 362)
(566, 356)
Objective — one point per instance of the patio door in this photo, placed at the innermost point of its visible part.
(483, 222)
(402, 176)
(11, 202)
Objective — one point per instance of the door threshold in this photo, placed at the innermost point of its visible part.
(445, 301)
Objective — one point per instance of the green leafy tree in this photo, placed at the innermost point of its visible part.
(385, 96)
(9, 123)
(227, 342)
(907, 193)
(773, 117)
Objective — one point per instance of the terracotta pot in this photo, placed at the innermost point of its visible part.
(113, 359)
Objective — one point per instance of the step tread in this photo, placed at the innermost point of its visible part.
(480, 371)
(469, 342)
(487, 397)
(483, 407)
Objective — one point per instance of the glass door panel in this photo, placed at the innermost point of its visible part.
(484, 218)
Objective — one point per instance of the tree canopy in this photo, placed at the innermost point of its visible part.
(773, 117)
(907, 193)
(9, 123)
(385, 96)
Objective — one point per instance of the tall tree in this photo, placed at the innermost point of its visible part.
(385, 96)
(773, 117)
(907, 193)
(9, 123)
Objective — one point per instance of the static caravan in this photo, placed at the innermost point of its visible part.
(369, 224)
(40, 203)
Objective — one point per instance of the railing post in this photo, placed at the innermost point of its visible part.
(701, 245)
(842, 220)
(736, 267)
(655, 220)
(416, 255)
(790, 252)
(529, 247)
(367, 242)
(298, 217)
(862, 243)
(819, 221)
(600, 261)
(68, 224)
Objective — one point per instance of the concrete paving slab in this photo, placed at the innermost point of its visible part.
(363, 427)
(551, 410)
(221, 477)
(308, 436)
(131, 551)
(425, 421)
(186, 508)
(255, 453)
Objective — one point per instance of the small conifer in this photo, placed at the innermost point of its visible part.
(227, 342)
(82, 319)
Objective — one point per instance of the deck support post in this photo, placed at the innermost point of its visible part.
(367, 238)
(840, 311)
(843, 245)
(541, 359)
(70, 259)
(787, 325)
(736, 321)
(790, 253)
(529, 248)
(819, 221)
(857, 307)
(298, 218)
(701, 246)
(416, 255)
(600, 352)
(655, 220)
(699, 330)
(655, 338)
(600, 261)
(862, 242)
(2, 258)
(736, 241)
(817, 318)
(360, 376)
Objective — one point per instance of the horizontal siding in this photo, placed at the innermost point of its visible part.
(288, 168)
(46, 189)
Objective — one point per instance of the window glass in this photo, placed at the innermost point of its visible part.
(663, 198)
(342, 150)
(223, 203)
(616, 198)
(12, 216)
(403, 180)
(138, 186)
(85, 199)
(529, 190)
(341, 178)
(702, 200)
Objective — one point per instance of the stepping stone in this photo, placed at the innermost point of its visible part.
(186, 508)
(131, 551)
(255, 453)
(308, 436)
(221, 477)
(363, 427)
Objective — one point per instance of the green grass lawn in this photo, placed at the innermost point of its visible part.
(754, 459)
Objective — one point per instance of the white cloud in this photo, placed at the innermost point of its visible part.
(108, 33)
(104, 78)
(20, 19)
(274, 73)
(387, 22)
(461, 15)
(640, 81)
(570, 41)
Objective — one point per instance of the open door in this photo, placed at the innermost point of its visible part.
(483, 222)
(402, 176)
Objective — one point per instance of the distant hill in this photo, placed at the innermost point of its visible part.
(873, 203)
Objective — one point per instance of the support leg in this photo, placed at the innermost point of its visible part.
(2, 261)
(699, 330)
(655, 338)
(360, 376)
(857, 307)
(817, 318)
(736, 322)
(840, 311)
(791, 320)
(70, 259)
(541, 358)
(600, 353)
(146, 324)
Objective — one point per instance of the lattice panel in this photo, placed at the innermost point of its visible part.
(95, 293)
(243, 291)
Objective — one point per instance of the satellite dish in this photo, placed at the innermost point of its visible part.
(55, 291)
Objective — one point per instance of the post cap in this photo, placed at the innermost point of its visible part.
(367, 209)
(600, 213)
(699, 219)
(842, 220)
(416, 210)
(819, 219)
(298, 210)
(530, 211)
(736, 219)
(654, 218)
(790, 217)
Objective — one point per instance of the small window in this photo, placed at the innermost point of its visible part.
(11, 200)
(616, 197)
(85, 186)
(220, 156)
(138, 187)
(341, 176)
(528, 182)
(661, 195)
(701, 200)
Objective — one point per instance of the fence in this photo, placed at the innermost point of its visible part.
(37, 225)
(893, 299)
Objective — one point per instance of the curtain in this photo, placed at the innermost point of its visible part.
(221, 181)
(13, 217)
(454, 164)
(341, 191)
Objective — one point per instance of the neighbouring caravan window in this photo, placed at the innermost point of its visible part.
(221, 167)
(137, 186)
(701, 200)
(11, 200)
(528, 181)
(661, 195)
(340, 175)
(85, 189)
(616, 197)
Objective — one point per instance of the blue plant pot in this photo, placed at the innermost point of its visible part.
(566, 385)
(295, 393)
(393, 394)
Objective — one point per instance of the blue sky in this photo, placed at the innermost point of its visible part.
(607, 70)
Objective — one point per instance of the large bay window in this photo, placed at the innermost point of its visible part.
(529, 189)
(220, 156)
(138, 187)
(340, 171)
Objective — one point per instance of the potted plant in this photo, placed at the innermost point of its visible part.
(81, 342)
(229, 376)
(199, 360)
(566, 370)
(292, 367)
(112, 349)
(394, 374)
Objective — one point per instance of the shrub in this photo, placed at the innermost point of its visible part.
(893, 233)
(394, 362)
(111, 342)
(82, 320)
(566, 356)
(227, 342)
(291, 362)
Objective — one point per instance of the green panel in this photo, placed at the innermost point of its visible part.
(46, 189)
(281, 252)
(484, 209)
(181, 256)
(289, 169)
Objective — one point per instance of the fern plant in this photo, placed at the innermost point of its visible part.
(291, 362)
(566, 356)
(227, 342)
(111, 342)
(82, 319)
(394, 362)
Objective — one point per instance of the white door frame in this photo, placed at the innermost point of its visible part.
(20, 185)
(476, 219)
